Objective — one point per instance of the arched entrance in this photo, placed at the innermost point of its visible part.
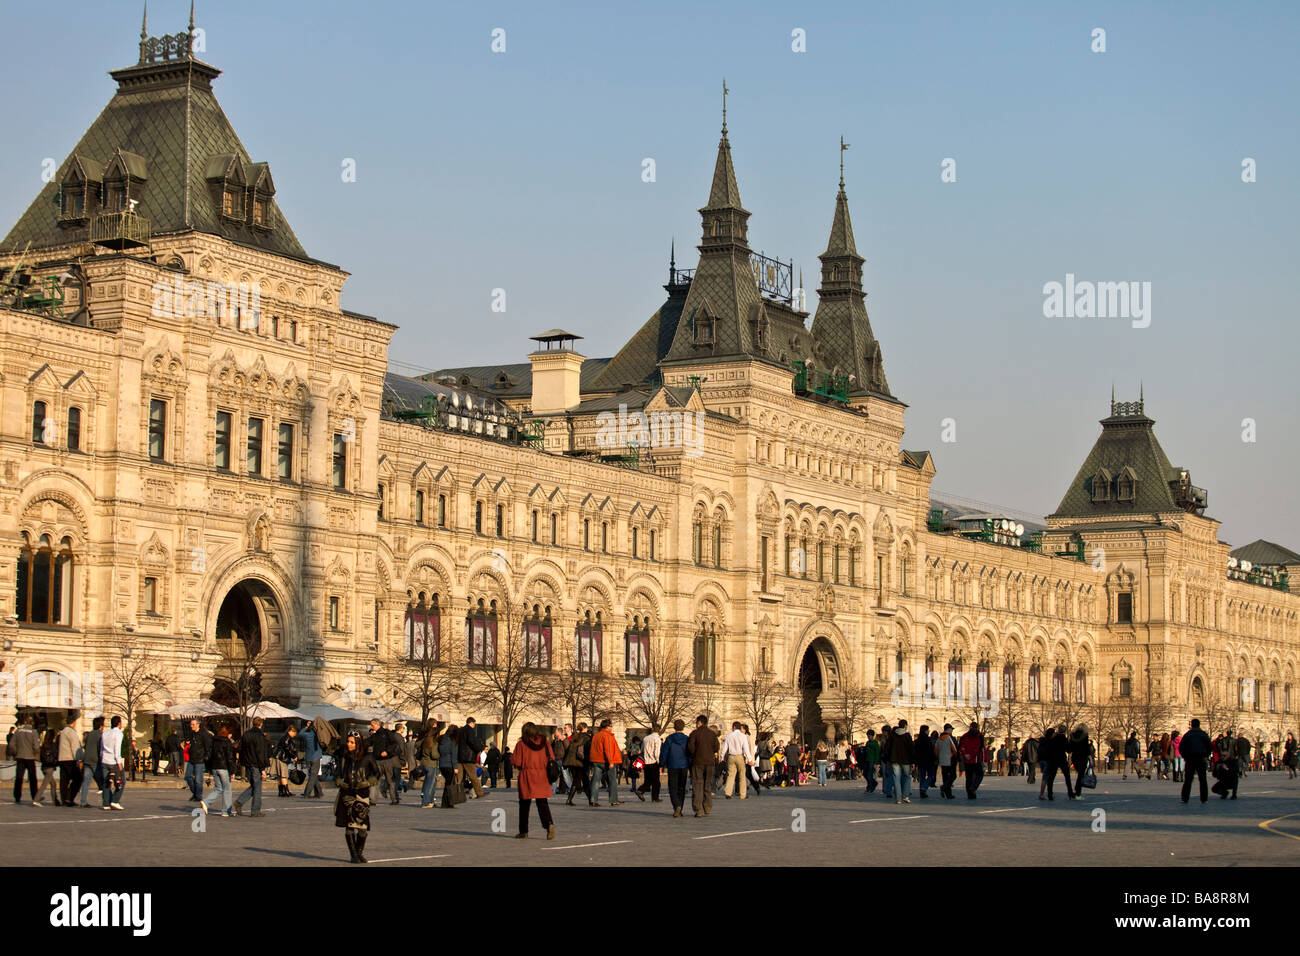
(249, 623)
(818, 672)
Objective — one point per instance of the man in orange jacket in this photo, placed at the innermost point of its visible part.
(605, 759)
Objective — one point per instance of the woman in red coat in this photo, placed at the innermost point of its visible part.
(531, 756)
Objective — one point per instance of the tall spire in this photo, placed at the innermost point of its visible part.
(724, 107)
(843, 147)
(144, 29)
(189, 35)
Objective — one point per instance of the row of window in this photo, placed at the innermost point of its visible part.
(45, 431)
(955, 684)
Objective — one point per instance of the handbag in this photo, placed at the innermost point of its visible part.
(552, 766)
(297, 777)
(1089, 778)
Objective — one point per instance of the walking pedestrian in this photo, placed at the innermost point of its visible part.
(254, 757)
(200, 745)
(449, 765)
(383, 748)
(531, 756)
(221, 764)
(1289, 756)
(605, 758)
(735, 751)
(651, 748)
(924, 756)
(112, 773)
(69, 768)
(945, 753)
(492, 764)
(973, 754)
(1243, 759)
(1175, 746)
(172, 744)
(1029, 757)
(886, 771)
(676, 759)
(25, 746)
(871, 759)
(702, 746)
(311, 755)
(1080, 753)
(355, 774)
(1132, 751)
(560, 748)
(900, 754)
(575, 760)
(1195, 748)
(427, 754)
(1044, 760)
(90, 760)
(49, 768)
(1058, 760)
(467, 757)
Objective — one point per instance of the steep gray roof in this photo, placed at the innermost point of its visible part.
(1265, 552)
(1126, 441)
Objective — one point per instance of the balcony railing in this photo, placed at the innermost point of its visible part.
(120, 230)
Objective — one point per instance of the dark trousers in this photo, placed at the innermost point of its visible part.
(1064, 770)
(448, 781)
(651, 782)
(702, 788)
(975, 774)
(69, 782)
(543, 813)
(1195, 766)
(677, 787)
(24, 767)
(580, 782)
(949, 778)
(390, 768)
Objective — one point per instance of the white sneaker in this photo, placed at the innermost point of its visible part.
(37, 803)
(107, 809)
(906, 800)
(204, 807)
(117, 806)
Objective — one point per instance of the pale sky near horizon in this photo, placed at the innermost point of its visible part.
(522, 170)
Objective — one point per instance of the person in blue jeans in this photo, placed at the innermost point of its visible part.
(886, 771)
(254, 757)
(312, 755)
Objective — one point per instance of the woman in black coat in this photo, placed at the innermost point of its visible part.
(357, 772)
(1080, 748)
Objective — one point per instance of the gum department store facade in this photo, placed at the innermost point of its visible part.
(174, 472)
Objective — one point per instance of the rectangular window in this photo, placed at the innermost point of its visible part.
(419, 507)
(534, 527)
(763, 564)
(334, 613)
(835, 564)
(853, 566)
(381, 502)
(157, 429)
(39, 416)
(604, 537)
(481, 634)
(151, 595)
(255, 446)
(588, 648)
(634, 544)
(652, 545)
(1058, 686)
(340, 461)
(586, 534)
(501, 525)
(1126, 687)
(284, 458)
(698, 540)
(442, 511)
(1124, 608)
(537, 645)
(74, 429)
(224, 426)
(555, 530)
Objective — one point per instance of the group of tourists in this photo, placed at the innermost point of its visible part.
(69, 762)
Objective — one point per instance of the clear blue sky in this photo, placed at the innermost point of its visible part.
(522, 171)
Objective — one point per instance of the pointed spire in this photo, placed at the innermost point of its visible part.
(724, 107)
(144, 30)
(672, 255)
(189, 36)
(843, 147)
(724, 193)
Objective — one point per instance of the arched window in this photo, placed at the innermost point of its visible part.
(636, 648)
(956, 684)
(1008, 681)
(1058, 685)
(1035, 683)
(537, 639)
(74, 429)
(589, 644)
(43, 593)
(481, 635)
(983, 692)
(422, 628)
(931, 689)
(1081, 686)
(697, 540)
(706, 646)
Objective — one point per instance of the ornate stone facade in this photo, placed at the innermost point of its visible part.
(796, 535)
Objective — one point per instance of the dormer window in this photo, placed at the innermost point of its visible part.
(1126, 485)
(114, 196)
(232, 203)
(259, 212)
(703, 330)
(1101, 486)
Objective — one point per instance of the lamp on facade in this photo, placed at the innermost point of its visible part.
(194, 657)
(370, 668)
(320, 663)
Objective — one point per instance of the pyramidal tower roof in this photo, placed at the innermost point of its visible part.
(841, 325)
(166, 138)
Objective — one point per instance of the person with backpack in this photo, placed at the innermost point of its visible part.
(971, 750)
(945, 755)
(1195, 748)
(49, 767)
(1132, 751)
(1029, 757)
(575, 759)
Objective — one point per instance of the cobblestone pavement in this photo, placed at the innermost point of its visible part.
(1145, 825)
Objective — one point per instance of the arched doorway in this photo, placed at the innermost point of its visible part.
(249, 623)
(818, 672)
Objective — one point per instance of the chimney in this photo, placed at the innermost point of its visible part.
(557, 367)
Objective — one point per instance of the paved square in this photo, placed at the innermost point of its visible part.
(1145, 825)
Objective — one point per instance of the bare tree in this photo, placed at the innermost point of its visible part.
(858, 703)
(239, 675)
(422, 681)
(764, 696)
(583, 692)
(666, 692)
(132, 679)
(1144, 711)
(507, 677)
(1220, 713)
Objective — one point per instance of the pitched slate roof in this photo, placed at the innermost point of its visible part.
(638, 360)
(170, 129)
(1126, 441)
(513, 380)
(1265, 552)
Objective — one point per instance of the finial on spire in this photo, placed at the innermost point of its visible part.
(843, 147)
(672, 255)
(144, 22)
(725, 91)
(191, 16)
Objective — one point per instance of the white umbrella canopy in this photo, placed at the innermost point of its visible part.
(384, 714)
(197, 708)
(269, 710)
(328, 712)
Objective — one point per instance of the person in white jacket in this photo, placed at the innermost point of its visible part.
(650, 747)
(738, 755)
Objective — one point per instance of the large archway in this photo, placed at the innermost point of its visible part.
(249, 623)
(818, 673)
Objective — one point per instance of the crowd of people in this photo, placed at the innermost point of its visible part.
(577, 762)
